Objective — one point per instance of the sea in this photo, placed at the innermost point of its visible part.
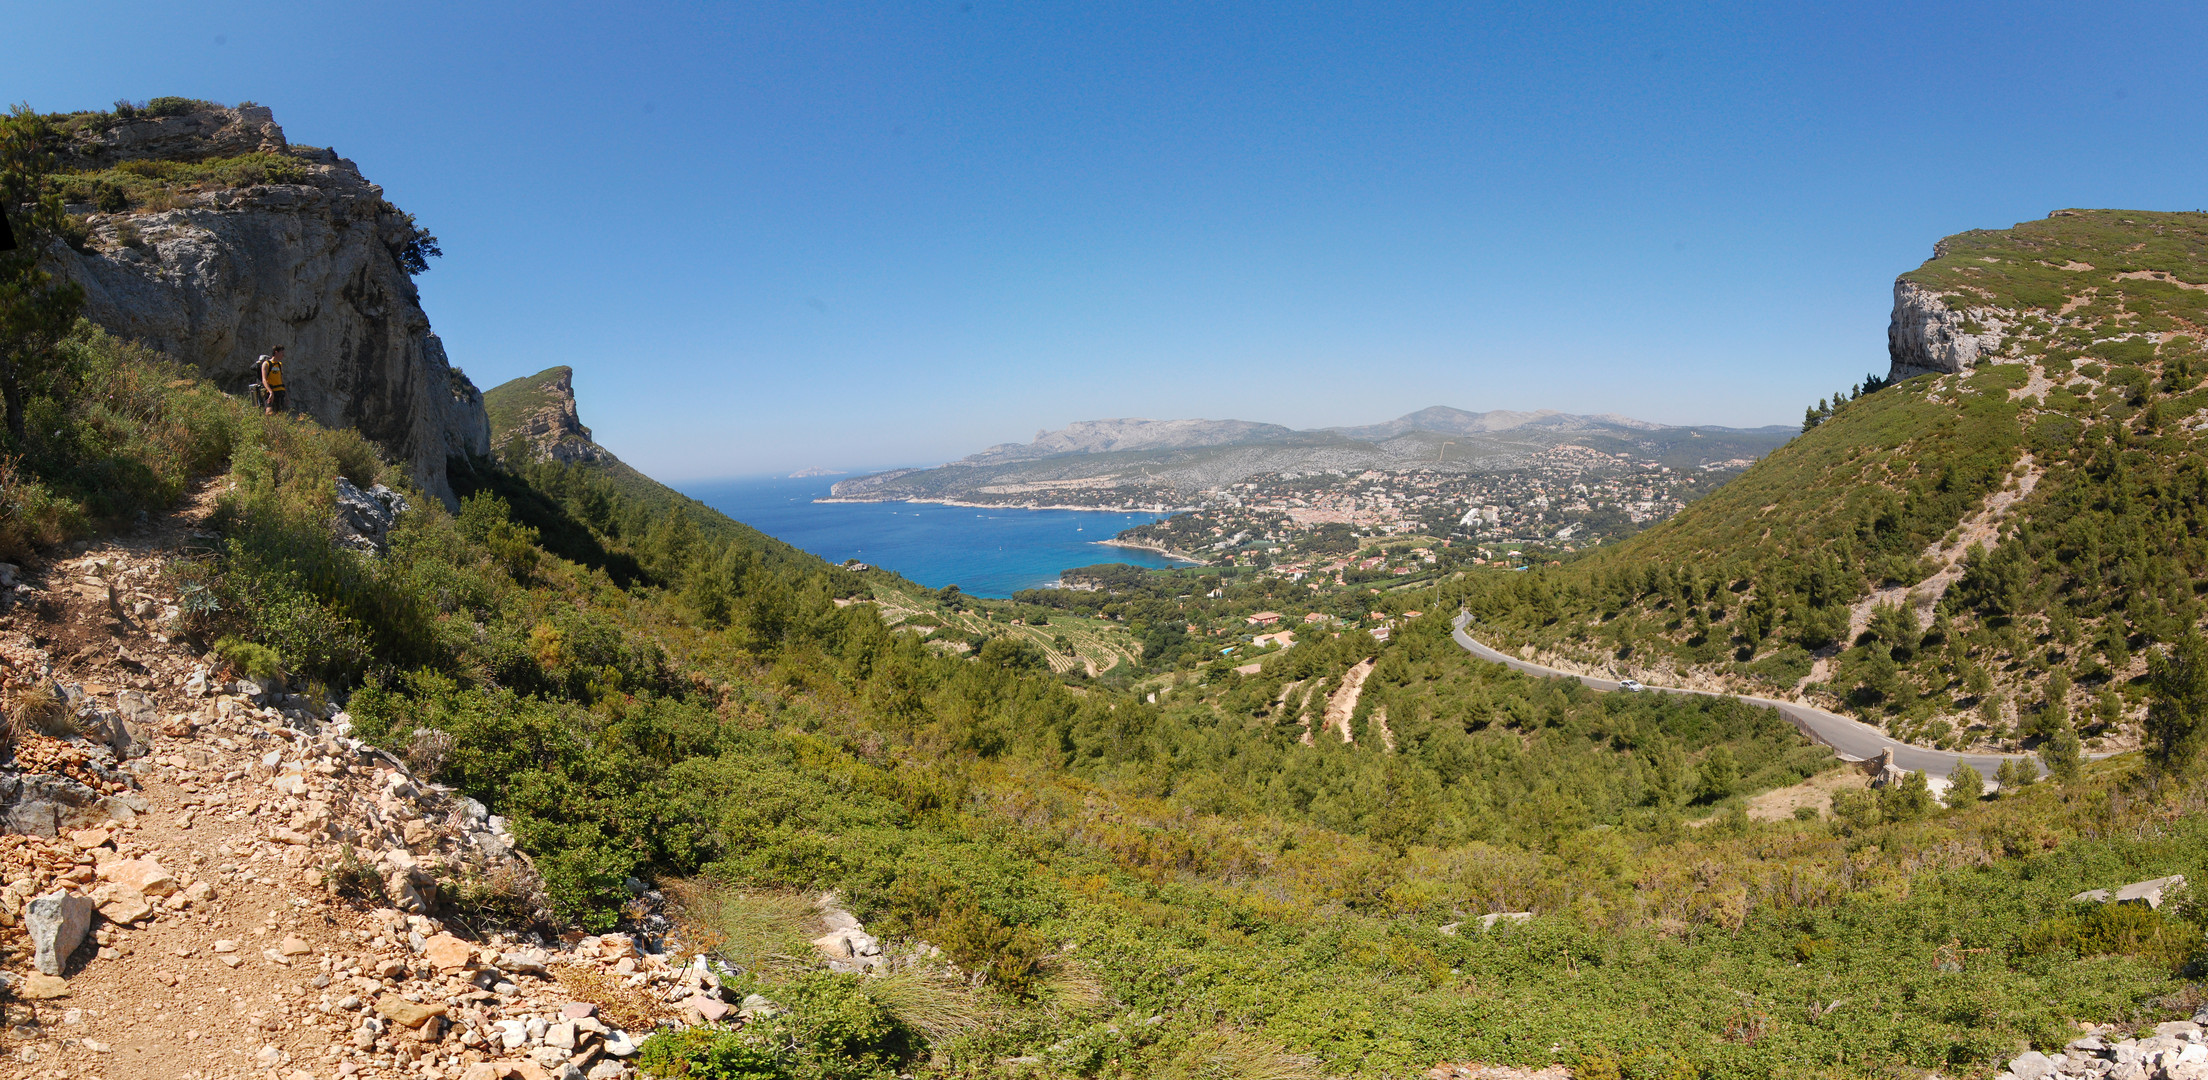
(985, 552)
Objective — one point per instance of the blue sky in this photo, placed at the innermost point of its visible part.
(770, 236)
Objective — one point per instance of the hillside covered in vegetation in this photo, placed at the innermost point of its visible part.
(1989, 557)
(1212, 873)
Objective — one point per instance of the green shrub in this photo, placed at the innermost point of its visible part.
(835, 1016)
(1007, 957)
(707, 1053)
(257, 661)
(2121, 929)
(176, 106)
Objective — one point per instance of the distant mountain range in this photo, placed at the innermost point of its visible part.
(1447, 421)
(1109, 436)
(1130, 462)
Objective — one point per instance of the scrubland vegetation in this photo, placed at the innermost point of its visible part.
(1168, 881)
(1091, 860)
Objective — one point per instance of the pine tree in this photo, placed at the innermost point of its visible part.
(35, 310)
(1964, 785)
(2177, 717)
(2063, 754)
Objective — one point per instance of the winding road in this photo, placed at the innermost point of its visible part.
(1850, 739)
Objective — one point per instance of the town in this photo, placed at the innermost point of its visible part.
(1564, 497)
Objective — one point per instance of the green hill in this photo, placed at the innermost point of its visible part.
(590, 506)
(1984, 557)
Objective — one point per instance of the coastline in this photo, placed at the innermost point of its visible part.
(1155, 549)
(1022, 506)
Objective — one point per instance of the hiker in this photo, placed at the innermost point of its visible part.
(272, 381)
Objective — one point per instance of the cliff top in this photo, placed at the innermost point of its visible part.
(180, 153)
(512, 404)
(2107, 264)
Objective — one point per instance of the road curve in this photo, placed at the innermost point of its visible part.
(1850, 739)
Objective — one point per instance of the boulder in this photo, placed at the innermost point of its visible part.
(2033, 1065)
(136, 722)
(40, 805)
(145, 875)
(1884, 773)
(364, 518)
(846, 944)
(505, 1070)
(121, 905)
(57, 923)
(2151, 892)
(1487, 922)
(616, 947)
(705, 1009)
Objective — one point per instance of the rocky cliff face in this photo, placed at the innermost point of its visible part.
(1927, 336)
(539, 410)
(226, 274)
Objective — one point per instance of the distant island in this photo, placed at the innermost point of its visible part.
(803, 474)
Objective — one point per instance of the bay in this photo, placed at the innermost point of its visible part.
(988, 552)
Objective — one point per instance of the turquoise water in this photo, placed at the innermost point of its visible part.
(984, 552)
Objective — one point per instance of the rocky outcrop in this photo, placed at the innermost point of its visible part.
(228, 273)
(364, 518)
(2176, 1050)
(1926, 336)
(540, 411)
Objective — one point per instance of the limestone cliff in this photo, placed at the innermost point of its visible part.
(539, 410)
(223, 273)
(1927, 336)
(2120, 286)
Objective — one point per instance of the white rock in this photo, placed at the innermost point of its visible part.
(2033, 1065)
(1925, 335)
(57, 923)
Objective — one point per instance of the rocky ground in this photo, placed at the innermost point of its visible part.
(2175, 1051)
(208, 878)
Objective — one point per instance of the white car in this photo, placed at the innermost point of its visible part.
(1631, 686)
